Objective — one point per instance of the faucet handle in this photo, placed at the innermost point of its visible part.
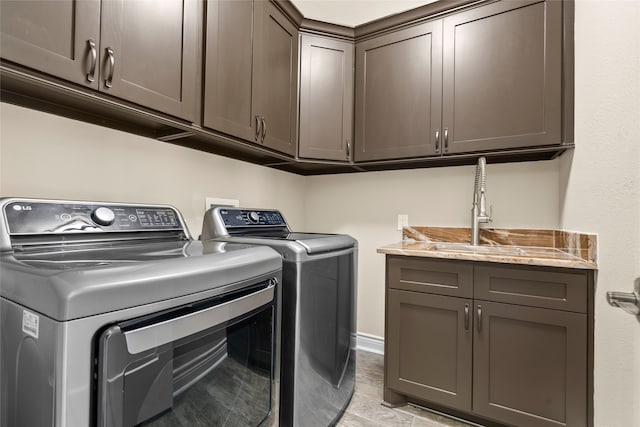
(487, 218)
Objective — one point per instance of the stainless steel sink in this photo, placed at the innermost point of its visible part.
(489, 250)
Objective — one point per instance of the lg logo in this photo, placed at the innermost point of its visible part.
(21, 207)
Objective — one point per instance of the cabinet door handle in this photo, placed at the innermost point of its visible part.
(446, 139)
(466, 317)
(437, 139)
(348, 149)
(479, 317)
(258, 126)
(111, 56)
(91, 75)
(264, 128)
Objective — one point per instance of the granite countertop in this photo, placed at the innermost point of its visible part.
(552, 248)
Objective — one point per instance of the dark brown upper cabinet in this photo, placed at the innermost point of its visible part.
(502, 76)
(488, 78)
(58, 38)
(434, 86)
(251, 73)
(398, 93)
(229, 76)
(145, 52)
(150, 53)
(326, 98)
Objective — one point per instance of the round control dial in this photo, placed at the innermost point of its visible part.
(254, 217)
(103, 216)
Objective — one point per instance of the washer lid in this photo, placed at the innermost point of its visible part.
(69, 284)
(317, 243)
(313, 243)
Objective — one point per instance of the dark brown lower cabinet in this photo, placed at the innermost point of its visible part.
(513, 360)
(530, 365)
(440, 373)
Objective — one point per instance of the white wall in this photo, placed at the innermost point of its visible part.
(42, 155)
(600, 190)
(366, 206)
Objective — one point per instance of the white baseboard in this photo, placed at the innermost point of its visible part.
(370, 343)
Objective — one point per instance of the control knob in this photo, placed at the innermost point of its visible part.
(103, 216)
(254, 217)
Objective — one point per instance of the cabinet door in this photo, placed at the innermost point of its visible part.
(502, 76)
(150, 53)
(276, 78)
(530, 365)
(398, 93)
(429, 347)
(228, 75)
(326, 98)
(59, 38)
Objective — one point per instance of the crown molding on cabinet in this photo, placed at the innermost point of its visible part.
(290, 10)
(324, 28)
(414, 16)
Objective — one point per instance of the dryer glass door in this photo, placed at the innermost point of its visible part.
(207, 363)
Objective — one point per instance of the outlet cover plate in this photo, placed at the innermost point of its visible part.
(403, 221)
(210, 202)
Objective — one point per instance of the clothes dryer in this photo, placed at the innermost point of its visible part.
(318, 310)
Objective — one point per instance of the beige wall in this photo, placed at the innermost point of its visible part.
(600, 190)
(42, 155)
(366, 206)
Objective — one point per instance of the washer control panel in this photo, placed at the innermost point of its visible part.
(251, 218)
(37, 217)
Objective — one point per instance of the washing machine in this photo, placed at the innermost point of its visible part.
(317, 316)
(112, 315)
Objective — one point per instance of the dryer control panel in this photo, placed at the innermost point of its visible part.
(53, 217)
(251, 218)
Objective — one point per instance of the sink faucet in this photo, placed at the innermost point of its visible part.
(479, 210)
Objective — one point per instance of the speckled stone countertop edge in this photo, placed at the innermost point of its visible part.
(550, 248)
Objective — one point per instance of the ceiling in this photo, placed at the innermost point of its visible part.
(354, 12)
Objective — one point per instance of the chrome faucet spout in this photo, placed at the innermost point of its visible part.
(479, 209)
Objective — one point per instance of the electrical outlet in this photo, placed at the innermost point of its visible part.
(210, 202)
(403, 221)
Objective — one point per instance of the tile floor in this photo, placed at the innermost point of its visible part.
(365, 409)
